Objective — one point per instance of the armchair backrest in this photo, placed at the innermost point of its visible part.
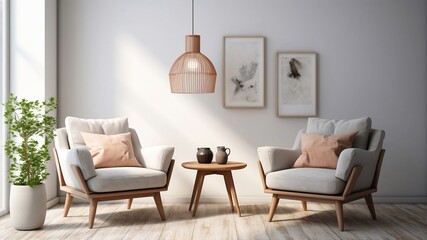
(332, 127)
(375, 140)
(70, 136)
(61, 142)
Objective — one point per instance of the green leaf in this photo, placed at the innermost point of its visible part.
(31, 131)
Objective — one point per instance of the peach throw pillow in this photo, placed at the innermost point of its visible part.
(111, 150)
(322, 151)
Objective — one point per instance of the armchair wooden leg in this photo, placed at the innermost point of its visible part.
(304, 205)
(370, 202)
(68, 202)
(340, 215)
(274, 203)
(158, 201)
(130, 202)
(92, 212)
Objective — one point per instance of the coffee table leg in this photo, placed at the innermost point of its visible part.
(227, 186)
(233, 190)
(194, 189)
(198, 192)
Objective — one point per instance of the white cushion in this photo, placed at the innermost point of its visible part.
(276, 158)
(333, 127)
(309, 180)
(136, 145)
(362, 125)
(320, 126)
(157, 157)
(77, 156)
(61, 139)
(75, 126)
(125, 179)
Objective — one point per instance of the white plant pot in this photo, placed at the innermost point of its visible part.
(28, 206)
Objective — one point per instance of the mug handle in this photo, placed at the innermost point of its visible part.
(229, 151)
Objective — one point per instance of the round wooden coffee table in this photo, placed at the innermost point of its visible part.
(214, 168)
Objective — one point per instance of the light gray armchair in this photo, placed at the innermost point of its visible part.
(356, 175)
(79, 178)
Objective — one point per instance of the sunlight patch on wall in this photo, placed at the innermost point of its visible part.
(144, 95)
(160, 117)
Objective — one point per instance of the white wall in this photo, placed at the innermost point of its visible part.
(33, 65)
(115, 56)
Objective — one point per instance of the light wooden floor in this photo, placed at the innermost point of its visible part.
(214, 221)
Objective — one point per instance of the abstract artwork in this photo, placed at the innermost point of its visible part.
(296, 84)
(243, 72)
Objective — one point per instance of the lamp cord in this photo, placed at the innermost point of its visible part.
(192, 17)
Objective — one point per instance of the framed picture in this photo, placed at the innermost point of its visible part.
(243, 72)
(296, 84)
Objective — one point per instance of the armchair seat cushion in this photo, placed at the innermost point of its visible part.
(125, 179)
(309, 180)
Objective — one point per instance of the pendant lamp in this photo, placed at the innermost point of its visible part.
(192, 72)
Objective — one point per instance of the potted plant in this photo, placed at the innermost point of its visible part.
(31, 130)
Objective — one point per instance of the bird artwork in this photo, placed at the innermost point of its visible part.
(245, 83)
(238, 84)
(297, 80)
(294, 65)
(246, 73)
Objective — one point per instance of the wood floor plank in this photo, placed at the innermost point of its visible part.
(361, 223)
(216, 221)
(386, 223)
(422, 206)
(4, 220)
(402, 219)
(419, 214)
(358, 223)
(5, 226)
(249, 225)
(226, 221)
(312, 224)
(60, 225)
(118, 224)
(279, 228)
(180, 223)
(103, 213)
(148, 225)
(51, 215)
(329, 218)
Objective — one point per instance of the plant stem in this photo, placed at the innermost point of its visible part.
(26, 159)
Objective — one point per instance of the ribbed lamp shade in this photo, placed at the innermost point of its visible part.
(192, 72)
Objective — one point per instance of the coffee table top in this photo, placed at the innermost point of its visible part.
(230, 165)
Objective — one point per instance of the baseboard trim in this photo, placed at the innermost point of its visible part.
(413, 200)
(249, 200)
(53, 202)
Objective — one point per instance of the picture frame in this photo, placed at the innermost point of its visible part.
(296, 84)
(244, 72)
